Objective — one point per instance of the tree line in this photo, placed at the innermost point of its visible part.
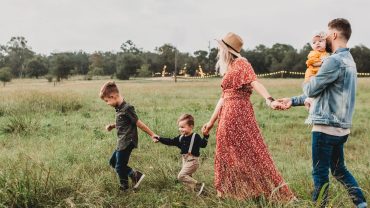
(18, 60)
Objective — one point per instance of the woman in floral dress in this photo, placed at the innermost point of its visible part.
(243, 165)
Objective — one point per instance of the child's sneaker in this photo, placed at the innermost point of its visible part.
(136, 178)
(199, 188)
(123, 188)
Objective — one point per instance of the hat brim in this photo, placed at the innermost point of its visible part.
(228, 48)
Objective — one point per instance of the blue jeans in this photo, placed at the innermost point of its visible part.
(119, 161)
(327, 152)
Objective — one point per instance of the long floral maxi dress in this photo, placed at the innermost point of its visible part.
(243, 166)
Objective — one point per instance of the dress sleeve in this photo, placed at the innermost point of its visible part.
(246, 73)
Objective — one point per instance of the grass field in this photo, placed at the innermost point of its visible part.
(54, 151)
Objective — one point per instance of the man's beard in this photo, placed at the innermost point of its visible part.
(328, 47)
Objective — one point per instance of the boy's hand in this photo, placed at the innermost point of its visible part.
(155, 138)
(109, 127)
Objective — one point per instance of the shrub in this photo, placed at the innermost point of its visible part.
(19, 124)
(40, 102)
(49, 78)
(5, 75)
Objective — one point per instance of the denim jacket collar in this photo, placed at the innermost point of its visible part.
(339, 50)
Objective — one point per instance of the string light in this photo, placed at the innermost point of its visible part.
(271, 74)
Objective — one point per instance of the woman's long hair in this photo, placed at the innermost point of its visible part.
(224, 59)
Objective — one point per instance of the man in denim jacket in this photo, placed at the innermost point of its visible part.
(333, 91)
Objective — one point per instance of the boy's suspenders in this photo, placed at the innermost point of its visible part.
(191, 143)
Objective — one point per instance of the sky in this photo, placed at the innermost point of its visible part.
(190, 25)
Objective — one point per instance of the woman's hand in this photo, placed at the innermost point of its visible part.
(207, 128)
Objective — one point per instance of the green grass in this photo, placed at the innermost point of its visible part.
(54, 151)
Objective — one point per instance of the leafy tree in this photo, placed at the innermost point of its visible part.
(257, 57)
(2, 59)
(62, 64)
(5, 75)
(96, 72)
(144, 71)
(130, 47)
(361, 55)
(127, 65)
(212, 57)
(17, 52)
(153, 61)
(300, 63)
(81, 62)
(96, 61)
(191, 63)
(109, 63)
(276, 55)
(202, 59)
(36, 67)
(167, 53)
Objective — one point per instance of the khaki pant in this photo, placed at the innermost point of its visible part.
(190, 164)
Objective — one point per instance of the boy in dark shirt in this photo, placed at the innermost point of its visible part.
(127, 136)
(190, 143)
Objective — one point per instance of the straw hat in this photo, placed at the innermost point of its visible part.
(232, 42)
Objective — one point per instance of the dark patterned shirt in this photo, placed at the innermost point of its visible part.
(126, 119)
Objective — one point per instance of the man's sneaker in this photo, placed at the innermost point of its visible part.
(199, 188)
(136, 178)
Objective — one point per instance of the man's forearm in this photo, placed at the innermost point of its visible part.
(298, 100)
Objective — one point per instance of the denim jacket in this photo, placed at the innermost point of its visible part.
(333, 90)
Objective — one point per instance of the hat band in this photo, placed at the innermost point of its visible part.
(229, 46)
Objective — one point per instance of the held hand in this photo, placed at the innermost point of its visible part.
(155, 138)
(109, 127)
(287, 103)
(207, 128)
(276, 105)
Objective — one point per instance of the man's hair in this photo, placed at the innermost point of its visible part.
(107, 89)
(343, 26)
(188, 118)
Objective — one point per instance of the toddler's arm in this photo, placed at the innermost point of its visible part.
(204, 141)
(170, 142)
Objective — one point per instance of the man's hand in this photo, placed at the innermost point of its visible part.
(109, 127)
(276, 105)
(308, 103)
(287, 103)
(155, 138)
